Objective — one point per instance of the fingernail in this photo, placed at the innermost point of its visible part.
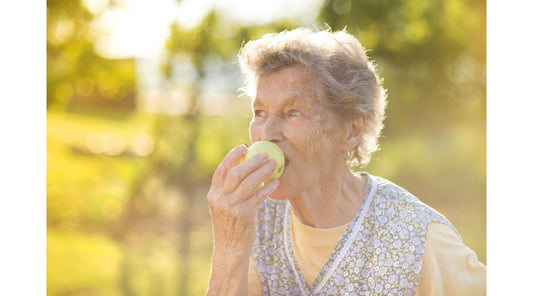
(242, 148)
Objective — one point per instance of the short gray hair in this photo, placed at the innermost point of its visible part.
(350, 84)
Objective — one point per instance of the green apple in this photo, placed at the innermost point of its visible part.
(273, 151)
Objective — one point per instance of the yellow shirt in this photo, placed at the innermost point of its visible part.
(448, 267)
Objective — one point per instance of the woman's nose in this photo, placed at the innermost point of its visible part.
(272, 129)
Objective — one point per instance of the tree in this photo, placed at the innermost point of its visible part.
(78, 77)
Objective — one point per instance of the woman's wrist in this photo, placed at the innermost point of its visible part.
(229, 258)
(229, 273)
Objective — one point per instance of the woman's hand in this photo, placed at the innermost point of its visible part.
(234, 200)
(235, 196)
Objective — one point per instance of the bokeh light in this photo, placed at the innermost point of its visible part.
(95, 142)
(143, 145)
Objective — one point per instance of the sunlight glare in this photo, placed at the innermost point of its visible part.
(139, 28)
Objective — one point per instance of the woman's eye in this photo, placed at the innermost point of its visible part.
(259, 113)
(294, 112)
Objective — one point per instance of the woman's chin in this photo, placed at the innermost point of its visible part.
(286, 186)
(281, 193)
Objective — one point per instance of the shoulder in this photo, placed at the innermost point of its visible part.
(387, 191)
(395, 201)
(390, 193)
(449, 267)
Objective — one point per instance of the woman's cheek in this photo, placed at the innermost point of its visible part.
(314, 137)
(253, 130)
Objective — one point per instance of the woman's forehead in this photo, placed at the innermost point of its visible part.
(293, 85)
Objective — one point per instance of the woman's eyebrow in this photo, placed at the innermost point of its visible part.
(297, 102)
(291, 101)
(257, 103)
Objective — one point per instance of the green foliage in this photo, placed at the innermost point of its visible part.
(85, 189)
(76, 73)
(216, 137)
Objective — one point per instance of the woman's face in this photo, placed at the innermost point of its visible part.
(288, 112)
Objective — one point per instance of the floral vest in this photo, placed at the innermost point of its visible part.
(380, 253)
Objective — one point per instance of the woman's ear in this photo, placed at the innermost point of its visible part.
(354, 132)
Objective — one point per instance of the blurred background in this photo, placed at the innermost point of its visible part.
(142, 104)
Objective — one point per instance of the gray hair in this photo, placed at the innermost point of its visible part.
(349, 82)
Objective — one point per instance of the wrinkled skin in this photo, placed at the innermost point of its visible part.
(287, 112)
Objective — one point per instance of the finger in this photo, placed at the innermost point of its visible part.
(262, 193)
(240, 172)
(254, 179)
(229, 161)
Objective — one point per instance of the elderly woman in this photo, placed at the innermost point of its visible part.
(322, 229)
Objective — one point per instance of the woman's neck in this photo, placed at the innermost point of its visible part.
(332, 203)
